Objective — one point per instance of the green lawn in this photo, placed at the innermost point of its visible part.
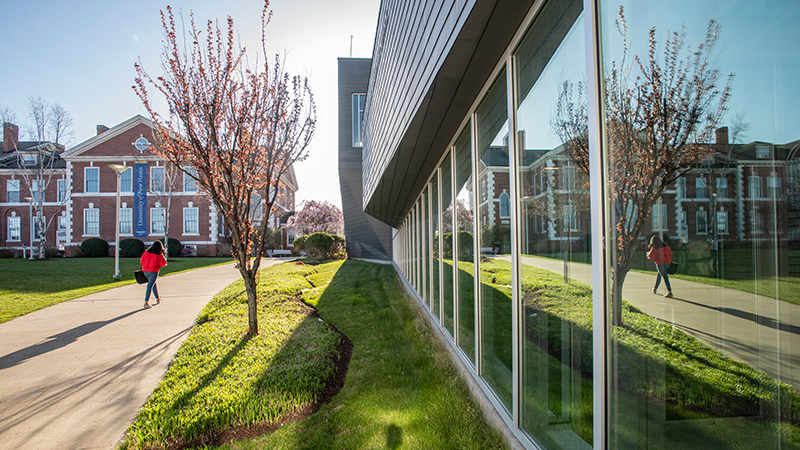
(26, 286)
(401, 390)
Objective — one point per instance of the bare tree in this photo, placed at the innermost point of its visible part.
(49, 126)
(660, 117)
(240, 128)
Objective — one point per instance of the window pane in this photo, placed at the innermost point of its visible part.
(91, 225)
(126, 221)
(447, 244)
(464, 242)
(190, 221)
(495, 240)
(426, 259)
(436, 261)
(12, 191)
(718, 364)
(157, 182)
(92, 179)
(358, 118)
(157, 221)
(555, 285)
(126, 181)
(14, 228)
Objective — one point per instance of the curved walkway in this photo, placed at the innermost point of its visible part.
(760, 331)
(74, 375)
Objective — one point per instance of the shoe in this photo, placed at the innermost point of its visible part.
(668, 295)
(158, 301)
(654, 290)
(147, 305)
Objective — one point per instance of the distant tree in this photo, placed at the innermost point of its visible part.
(660, 117)
(50, 127)
(463, 217)
(317, 216)
(240, 128)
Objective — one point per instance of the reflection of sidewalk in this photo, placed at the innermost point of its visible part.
(759, 331)
(75, 374)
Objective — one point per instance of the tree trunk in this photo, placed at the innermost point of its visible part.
(40, 233)
(249, 277)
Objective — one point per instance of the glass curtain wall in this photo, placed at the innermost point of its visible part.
(464, 241)
(491, 120)
(707, 356)
(426, 255)
(555, 281)
(448, 300)
(436, 266)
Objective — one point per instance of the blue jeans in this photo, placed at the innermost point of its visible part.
(661, 272)
(151, 285)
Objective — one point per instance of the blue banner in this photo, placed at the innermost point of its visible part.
(140, 200)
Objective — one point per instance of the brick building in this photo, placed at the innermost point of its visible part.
(84, 196)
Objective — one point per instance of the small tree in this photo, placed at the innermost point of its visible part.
(239, 128)
(49, 126)
(658, 125)
(317, 216)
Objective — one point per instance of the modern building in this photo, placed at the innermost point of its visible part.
(366, 237)
(84, 194)
(558, 137)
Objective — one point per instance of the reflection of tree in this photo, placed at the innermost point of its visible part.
(463, 217)
(658, 116)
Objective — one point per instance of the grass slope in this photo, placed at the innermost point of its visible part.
(401, 391)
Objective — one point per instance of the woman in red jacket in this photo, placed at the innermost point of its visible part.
(661, 254)
(152, 260)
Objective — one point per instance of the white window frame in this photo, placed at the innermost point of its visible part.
(189, 183)
(158, 216)
(505, 205)
(126, 181)
(154, 179)
(700, 186)
(188, 221)
(14, 229)
(701, 213)
(722, 187)
(61, 190)
(36, 189)
(86, 179)
(357, 107)
(660, 217)
(722, 222)
(12, 186)
(754, 186)
(774, 186)
(87, 213)
(126, 218)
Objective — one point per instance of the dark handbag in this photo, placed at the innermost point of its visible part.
(672, 269)
(141, 278)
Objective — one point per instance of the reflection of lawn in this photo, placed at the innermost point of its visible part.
(732, 269)
(668, 386)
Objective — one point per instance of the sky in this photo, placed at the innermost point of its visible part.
(81, 55)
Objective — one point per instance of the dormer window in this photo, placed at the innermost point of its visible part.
(29, 159)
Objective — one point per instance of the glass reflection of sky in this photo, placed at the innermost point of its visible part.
(758, 43)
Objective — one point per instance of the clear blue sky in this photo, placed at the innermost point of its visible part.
(81, 55)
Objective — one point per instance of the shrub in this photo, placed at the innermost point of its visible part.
(131, 248)
(300, 243)
(94, 248)
(51, 252)
(173, 247)
(320, 245)
(6, 252)
(72, 251)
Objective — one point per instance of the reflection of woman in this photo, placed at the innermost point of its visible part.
(661, 254)
(152, 260)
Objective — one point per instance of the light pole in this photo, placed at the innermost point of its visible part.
(30, 224)
(118, 169)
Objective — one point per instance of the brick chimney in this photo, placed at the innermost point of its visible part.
(722, 136)
(101, 129)
(10, 136)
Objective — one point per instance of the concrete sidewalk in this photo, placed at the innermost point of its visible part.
(760, 331)
(74, 375)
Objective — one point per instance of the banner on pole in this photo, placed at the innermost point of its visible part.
(140, 200)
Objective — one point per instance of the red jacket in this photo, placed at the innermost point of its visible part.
(661, 255)
(152, 262)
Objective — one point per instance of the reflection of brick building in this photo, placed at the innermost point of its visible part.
(745, 185)
(175, 207)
